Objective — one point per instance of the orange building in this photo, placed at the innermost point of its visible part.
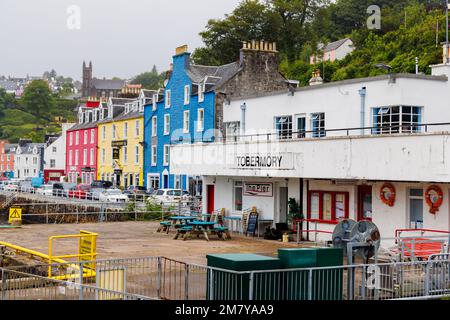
(6, 159)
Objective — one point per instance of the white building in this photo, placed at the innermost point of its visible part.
(55, 152)
(29, 159)
(309, 145)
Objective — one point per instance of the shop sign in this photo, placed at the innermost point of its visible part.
(278, 161)
(116, 154)
(87, 169)
(119, 143)
(258, 189)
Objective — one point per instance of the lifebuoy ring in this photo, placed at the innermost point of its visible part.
(387, 194)
(434, 198)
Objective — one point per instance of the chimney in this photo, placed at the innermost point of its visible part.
(253, 51)
(316, 78)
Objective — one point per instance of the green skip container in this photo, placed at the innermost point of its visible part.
(324, 284)
(232, 286)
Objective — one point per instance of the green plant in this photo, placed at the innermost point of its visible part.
(294, 209)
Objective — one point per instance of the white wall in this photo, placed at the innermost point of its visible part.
(60, 155)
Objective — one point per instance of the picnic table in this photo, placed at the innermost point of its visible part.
(201, 227)
(175, 221)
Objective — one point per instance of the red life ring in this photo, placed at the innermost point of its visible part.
(387, 194)
(434, 198)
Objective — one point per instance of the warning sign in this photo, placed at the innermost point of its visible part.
(88, 248)
(15, 214)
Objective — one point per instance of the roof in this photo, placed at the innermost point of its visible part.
(197, 73)
(81, 126)
(334, 45)
(28, 148)
(103, 84)
(125, 116)
(8, 85)
(148, 93)
(121, 101)
(10, 146)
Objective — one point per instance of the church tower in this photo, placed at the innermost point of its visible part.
(87, 79)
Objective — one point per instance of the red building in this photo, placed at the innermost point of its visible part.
(6, 159)
(81, 145)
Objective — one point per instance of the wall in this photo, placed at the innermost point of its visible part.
(60, 154)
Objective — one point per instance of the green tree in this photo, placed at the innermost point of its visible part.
(38, 100)
(150, 80)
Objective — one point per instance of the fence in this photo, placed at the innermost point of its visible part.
(168, 279)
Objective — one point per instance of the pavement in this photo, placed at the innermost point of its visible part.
(137, 239)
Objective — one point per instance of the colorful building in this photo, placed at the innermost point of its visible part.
(189, 109)
(6, 159)
(81, 145)
(120, 143)
(55, 155)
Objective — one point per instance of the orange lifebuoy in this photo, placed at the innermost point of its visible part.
(434, 198)
(387, 194)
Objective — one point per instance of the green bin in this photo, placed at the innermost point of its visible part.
(232, 286)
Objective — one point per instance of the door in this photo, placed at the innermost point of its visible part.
(165, 181)
(283, 205)
(210, 199)
(364, 203)
(416, 208)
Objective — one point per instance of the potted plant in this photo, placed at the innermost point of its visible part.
(295, 215)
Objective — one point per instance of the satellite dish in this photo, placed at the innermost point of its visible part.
(341, 234)
(365, 232)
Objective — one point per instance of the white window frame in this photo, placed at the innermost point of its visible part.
(200, 124)
(70, 157)
(70, 138)
(77, 154)
(186, 123)
(77, 137)
(155, 102)
(187, 94)
(137, 128)
(104, 133)
(136, 154)
(166, 124)
(85, 154)
(168, 99)
(154, 126)
(125, 154)
(85, 136)
(103, 156)
(114, 133)
(166, 155)
(125, 130)
(91, 158)
(201, 92)
(154, 155)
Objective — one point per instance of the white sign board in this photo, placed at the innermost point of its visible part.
(258, 189)
(276, 161)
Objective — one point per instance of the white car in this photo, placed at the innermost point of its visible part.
(167, 196)
(113, 195)
(45, 190)
(11, 187)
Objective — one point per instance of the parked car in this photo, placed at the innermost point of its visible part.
(11, 186)
(61, 189)
(98, 186)
(113, 195)
(136, 193)
(45, 190)
(166, 196)
(81, 191)
(26, 186)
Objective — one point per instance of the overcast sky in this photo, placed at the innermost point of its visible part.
(121, 37)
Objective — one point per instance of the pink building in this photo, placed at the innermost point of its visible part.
(81, 146)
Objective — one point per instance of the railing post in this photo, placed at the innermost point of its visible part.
(186, 282)
(3, 296)
(298, 232)
(158, 278)
(310, 284)
(363, 284)
(251, 286)
(211, 284)
(81, 281)
(427, 279)
(46, 213)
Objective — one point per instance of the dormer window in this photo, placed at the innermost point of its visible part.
(201, 92)
(95, 115)
(154, 102)
(80, 117)
(168, 98)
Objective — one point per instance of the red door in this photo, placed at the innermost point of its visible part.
(210, 199)
(364, 203)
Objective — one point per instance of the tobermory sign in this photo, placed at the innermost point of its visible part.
(279, 161)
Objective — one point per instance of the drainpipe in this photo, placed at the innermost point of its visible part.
(243, 109)
(362, 94)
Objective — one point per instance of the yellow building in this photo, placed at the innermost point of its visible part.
(120, 143)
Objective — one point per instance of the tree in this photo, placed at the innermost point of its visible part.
(150, 80)
(37, 99)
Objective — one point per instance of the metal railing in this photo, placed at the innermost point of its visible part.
(163, 278)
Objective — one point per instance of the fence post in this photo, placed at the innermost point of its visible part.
(251, 288)
(211, 284)
(46, 213)
(158, 279)
(81, 281)
(363, 283)
(427, 279)
(186, 282)
(3, 296)
(310, 284)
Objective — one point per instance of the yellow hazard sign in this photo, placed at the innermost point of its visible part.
(15, 214)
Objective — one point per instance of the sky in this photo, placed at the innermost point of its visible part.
(122, 38)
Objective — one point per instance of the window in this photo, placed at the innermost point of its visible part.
(168, 96)
(114, 131)
(125, 154)
(125, 130)
(283, 127)
(238, 195)
(154, 126)
(85, 137)
(328, 206)
(92, 135)
(200, 120)
(396, 119)
(154, 154)
(318, 125)
(136, 154)
(76, 157)
(201, 92)
(177, 183)
(154, 102)
(77, 137)
(70, 157)
(186, 121)
(52, 163)
(104, 133)
(137, 128)
(85, 157)
(153, 181)
(166, 124)
(166, 155)
(301, 127)
(54, 149)
(187, 94)
(35, 160)
(416, 208)
(103, 156)
(91, 158)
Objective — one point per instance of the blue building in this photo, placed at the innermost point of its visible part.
(189, 108)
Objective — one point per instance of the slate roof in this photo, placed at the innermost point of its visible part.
(28, 148)
(125, 116)
(10, 146)
(8, 85)
(148, 93)
(197, 73)
(334, 45)
(104, 84)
